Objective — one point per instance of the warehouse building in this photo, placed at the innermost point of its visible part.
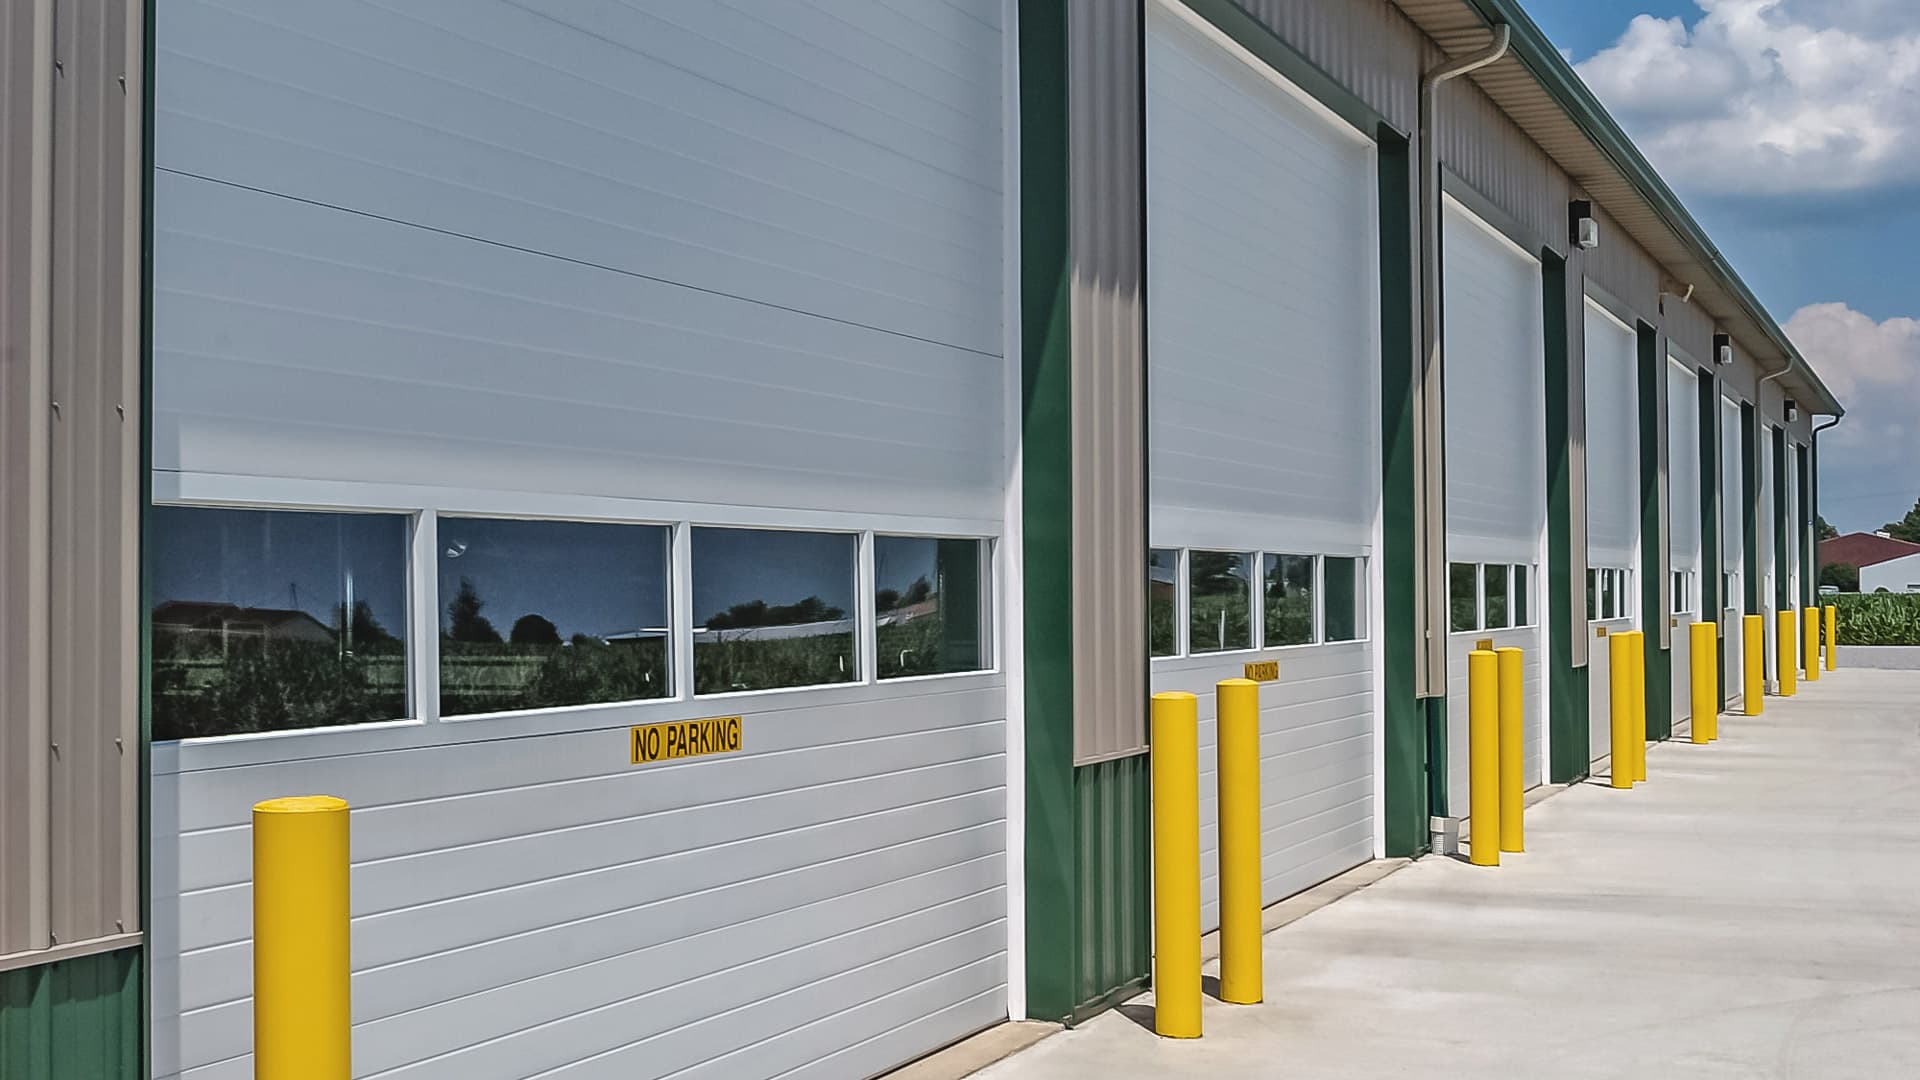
(421, 403)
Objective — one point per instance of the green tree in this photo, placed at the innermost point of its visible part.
(531, 629)
(1840, 575)
(1822, 530)
(464, 621)
(1907, 528)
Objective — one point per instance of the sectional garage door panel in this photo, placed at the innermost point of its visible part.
(1316, 767)
(1496, 482)
(1262, 303)
(520, 908)
(1495, 395)
(1613, 441)
(1263, 410)
(651, 250)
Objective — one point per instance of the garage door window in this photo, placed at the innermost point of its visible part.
(540, 614)
(276, 620)
(1220, 584)
(1345, 587)
(1494, 598)
(1289, 600)
(1463, 594)
(927, 605)
(1163, 601)
(772, 609)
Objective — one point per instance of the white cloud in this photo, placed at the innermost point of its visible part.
(1870, 464)
(1772, 96)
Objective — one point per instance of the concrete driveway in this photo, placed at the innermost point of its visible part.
(1751, 911)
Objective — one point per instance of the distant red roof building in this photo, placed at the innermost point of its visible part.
(1864, 549)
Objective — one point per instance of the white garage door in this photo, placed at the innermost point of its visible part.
(1496, 470)
(1683, 524)
(1733, 550)
(678, 325)
(1264, 416)
(1613, 506)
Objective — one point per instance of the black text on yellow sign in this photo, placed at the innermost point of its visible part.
(685, 738)
(1263, 670)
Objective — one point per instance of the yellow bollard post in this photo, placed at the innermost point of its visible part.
(1483, 755)
(1833, 637)
(1639, 705)
(1176, 865)
(1705, 656)
(1810, 643)
(1238, 743)
(302, 1025)
(1753, 663)
(1513, 717)
(1783, 650)
(1620, 705)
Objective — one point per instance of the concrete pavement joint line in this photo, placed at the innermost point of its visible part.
(1744, 916)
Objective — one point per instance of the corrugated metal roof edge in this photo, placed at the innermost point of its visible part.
(1532, 48)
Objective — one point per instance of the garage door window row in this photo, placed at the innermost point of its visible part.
(1231, 601)
(1609, 593)
(268, 620)
(1489, 596)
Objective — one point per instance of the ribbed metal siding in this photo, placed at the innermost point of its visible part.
(25, 63)
(1623, 268)
(78, 1017)
(1109, 380)
(1112, 870)
(69, 417)
(1368, 46)
(95, 382)
(1484, 147)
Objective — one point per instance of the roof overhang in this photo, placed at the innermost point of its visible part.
(1538, 88)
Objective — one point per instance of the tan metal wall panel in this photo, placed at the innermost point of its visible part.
(1484, 147)
(93, 706)
(1108, 330)
(1689, 328)
(69, 413)
(1622, 267)
(1368, 46)
(26, 64)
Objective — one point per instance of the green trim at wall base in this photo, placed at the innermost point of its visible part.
(1112, 882)
(79, 1017)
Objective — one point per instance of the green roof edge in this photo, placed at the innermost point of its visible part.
(1533, 49)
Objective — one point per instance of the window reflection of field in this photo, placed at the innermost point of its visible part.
(480, 677)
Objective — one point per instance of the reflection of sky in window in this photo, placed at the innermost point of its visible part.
(282, 559)
(899, 561)
(739, 566)
(585, 578)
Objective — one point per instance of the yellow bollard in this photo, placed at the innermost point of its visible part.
(1513, 719)
(1783, 650)
(1176, 865)
(1238, 743)
(1753, 663)
(1810, 644)
(1705, 657)
(302, 1026)
(1833, 637)
(1639, 698)
(1620, 704)
(1483, 755)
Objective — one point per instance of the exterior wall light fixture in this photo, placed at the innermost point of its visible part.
(1723, 349)
(1583, 230)
(1793, 411)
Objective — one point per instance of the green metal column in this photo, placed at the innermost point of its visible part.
(1567, 707)
(1409, 745)
(1654, 558)
(1712, 602)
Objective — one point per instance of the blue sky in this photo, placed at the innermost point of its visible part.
(1792, 130)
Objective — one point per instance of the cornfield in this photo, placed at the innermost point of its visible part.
(1877, 618)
